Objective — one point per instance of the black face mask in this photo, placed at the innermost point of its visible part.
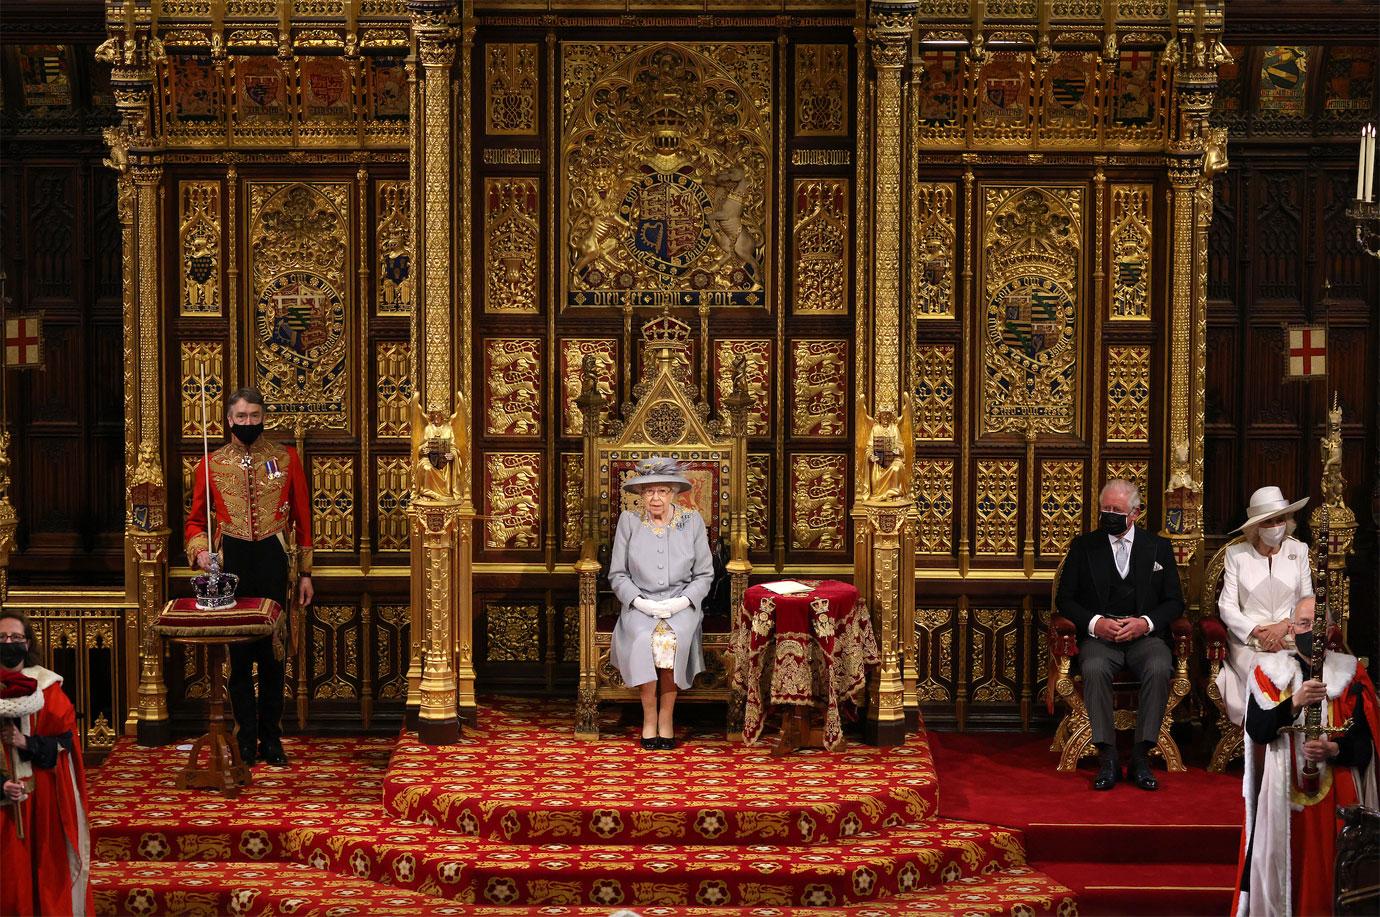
(1303, 645)
(12, 654)
(1113, 523)
(247, 433)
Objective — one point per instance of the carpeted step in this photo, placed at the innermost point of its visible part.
(865, 868)
(259, 890)
(537, 786)
(1182, 889)
(1123, 843)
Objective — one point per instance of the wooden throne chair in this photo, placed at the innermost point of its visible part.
(665, 417)
(1073, 738)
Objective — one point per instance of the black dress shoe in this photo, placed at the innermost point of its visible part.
(651, 744)
(247, 757)
(1139, 774)
(274, 755)
(665, 744)
(1108, 775)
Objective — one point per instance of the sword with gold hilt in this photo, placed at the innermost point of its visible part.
(1312, 728)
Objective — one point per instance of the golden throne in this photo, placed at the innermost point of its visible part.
(666, 417)
(1073, 739)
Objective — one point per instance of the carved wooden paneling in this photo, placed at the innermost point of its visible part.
(993, 655)
(935, 639)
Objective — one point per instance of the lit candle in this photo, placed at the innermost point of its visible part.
(1361, 165)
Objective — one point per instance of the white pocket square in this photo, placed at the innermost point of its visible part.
(1157, 567)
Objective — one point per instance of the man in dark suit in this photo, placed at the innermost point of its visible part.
(1120, 588)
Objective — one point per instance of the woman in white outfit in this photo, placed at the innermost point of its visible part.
(1266, 577)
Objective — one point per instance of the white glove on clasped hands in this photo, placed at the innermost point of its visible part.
(647, 606)
(661, 608)
(679, 603)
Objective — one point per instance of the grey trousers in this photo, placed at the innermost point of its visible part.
(1149, 659)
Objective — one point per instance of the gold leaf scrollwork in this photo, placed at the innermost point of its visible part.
(821, 90)
(573, 353)
(932, 249)
(335, 651)
(396, 254)
(510, 89)
(511, 239)
(819, 388)
(394, 487)
(513, 632)
(512, 500)
(1130, 243)
(512, 386)
(758, 378)
(758, 503)
(993, 658)
(1061, 505)
(572, 500)
(998, 506)
(817, 509)
(199, 236)
(933, 627)
(820, 245)
(390, 649)
(392, 362)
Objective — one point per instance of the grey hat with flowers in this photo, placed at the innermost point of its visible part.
(658, 470)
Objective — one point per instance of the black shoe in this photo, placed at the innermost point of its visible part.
(665, 744)
(1139, 774)
(651, 744)
(247, 756)
(1108, 775)
(274, 755)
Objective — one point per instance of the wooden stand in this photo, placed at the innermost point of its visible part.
(799, 729)
(225, 771)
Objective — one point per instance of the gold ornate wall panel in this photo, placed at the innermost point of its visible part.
(821, 90)
(511, 238)
(994, 656)
(572, 500)
(335, 654)
(818, 513)
(512, 500)
(934, 506)
(512, 387)
(667, 173)
(1128, 393)
(394, 492)
(200, 247)
(202, 376)
(934, 628)
(758, 354)
(934, 392)
(573, 353)
(759, 515)
(510, 89)
(819, 384)
(512, 632)
(1061, 505)
(395, 253)
(1030, 287)
(1132, 252)
(997, 506)
(390, 653)
(333, 503)
(392, 389)
(819, 245)
(84, 644)
(933, 249)
(299, 240)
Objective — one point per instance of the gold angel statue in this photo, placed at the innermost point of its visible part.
(884, 445)
(439, 463)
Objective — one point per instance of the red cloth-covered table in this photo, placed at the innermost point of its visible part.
(248, 619)
(823, 644)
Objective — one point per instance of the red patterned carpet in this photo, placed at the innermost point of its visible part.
(521, 818)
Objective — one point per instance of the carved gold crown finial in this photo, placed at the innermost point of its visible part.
(665, 330)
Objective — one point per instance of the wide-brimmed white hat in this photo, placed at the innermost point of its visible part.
(1267, 503)
(658, 471)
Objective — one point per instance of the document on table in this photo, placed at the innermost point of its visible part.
(788, 587)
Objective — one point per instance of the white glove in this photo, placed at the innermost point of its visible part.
(679, 603)
(647, 606)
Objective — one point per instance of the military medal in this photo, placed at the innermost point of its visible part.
(272, 467)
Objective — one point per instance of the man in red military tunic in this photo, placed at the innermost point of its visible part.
(260, 494)
(44, 871)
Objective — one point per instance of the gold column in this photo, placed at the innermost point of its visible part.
(888, 515)
(133, 52)
(437, 515)
(1196, 154)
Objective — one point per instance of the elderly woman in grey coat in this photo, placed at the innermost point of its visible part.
(660, 570)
